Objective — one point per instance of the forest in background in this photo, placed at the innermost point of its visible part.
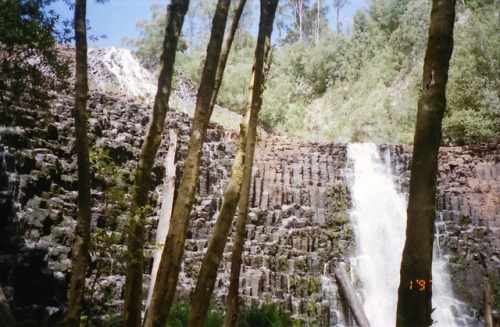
(352, 83)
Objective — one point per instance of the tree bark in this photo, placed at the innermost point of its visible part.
(211, 261)
(226, 48)
(135, 242)
(415, 289)
(337, 6)
(201, 300)
(81, 244)
(170, 264)
(488, 317)
(6, 315)
(351, 296)
(167, 204)
(268, 10)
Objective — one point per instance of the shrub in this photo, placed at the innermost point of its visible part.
(179, 316)
(267, 315)
(468, 127)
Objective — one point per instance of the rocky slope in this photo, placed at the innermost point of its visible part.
(298, 224)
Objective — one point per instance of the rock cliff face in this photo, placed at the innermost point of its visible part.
(298, 223)
(469, 219)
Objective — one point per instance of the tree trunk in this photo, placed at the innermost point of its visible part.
(170, 264)
(135, 242)
(6, 316)
(338, 5)
(228, 41)
(300, 19)
(337, 12)
(167, 204)
(80, 249)
(351, 296)
(415, 289)
(318, 21)
(268, 10)
(488, 317)
(211, 261)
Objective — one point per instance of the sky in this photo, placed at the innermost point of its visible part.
(117, 18)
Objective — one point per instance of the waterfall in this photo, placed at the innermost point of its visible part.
(331, 291)
(117, 70)
(379, 220)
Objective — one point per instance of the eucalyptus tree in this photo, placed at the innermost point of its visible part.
(211, 261)
(149, 43)
(338, 5)
(176, 11)
(199, 22)
(171, 259)
(208, 272)
(415, 289)
(300, 9)
(242, 171)
(80, 249)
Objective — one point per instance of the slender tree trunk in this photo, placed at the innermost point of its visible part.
(170, 264)
(268, 10)
(226, 48)
(301, 18)
(488, 317)
(209, 267)
(338, 5)
(6, 315)
(318, 20)
(415, 289)
(135, 242)
(337, 12)
(211, 261)
(167, 204)
(82, 230)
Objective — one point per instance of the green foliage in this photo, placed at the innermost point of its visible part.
(267, 315)
(29, 62)
(112, 319)
(468, 126)
(473, 114)
(179, 316)
(494, 281)
(191, 63)
(477, 4)
(464, 220)
(301, 21)
(234, 89)
(106, 255)
(114, 181)
(387, 13)
(364, 86)
(409, 40)
(149, 44)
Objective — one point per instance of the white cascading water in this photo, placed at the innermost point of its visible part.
(116, 69)
(330, 290)
(379, 219)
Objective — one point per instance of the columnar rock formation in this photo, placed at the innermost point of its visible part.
(297, 227)
(298, 224)
(469, 219)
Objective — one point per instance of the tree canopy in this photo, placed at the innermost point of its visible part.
(362, 84)
(29, 62)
